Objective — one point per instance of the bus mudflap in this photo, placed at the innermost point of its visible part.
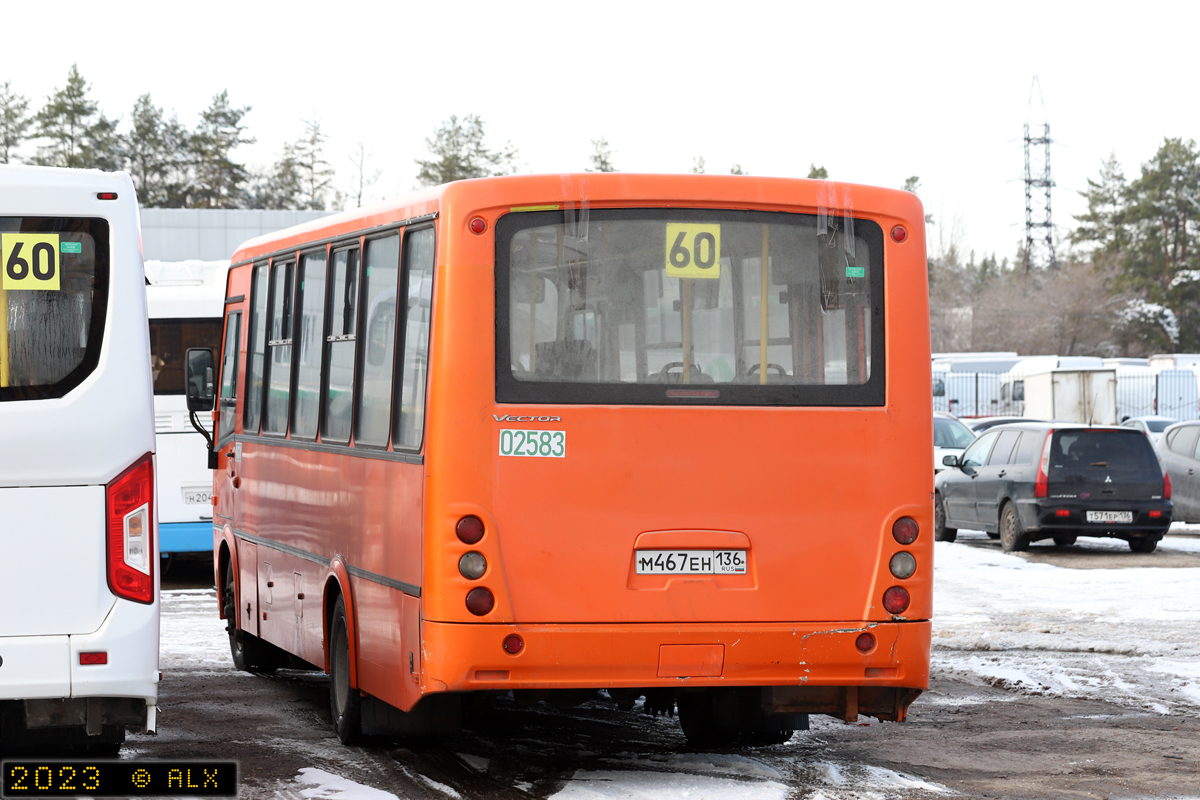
(433, 715)
(888, 703)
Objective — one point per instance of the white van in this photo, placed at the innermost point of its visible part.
(79, 607)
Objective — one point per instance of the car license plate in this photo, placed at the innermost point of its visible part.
(691, 562)
(1110, 516)
(197, 497)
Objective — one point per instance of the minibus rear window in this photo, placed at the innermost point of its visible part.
(170, 339)
(689, 305)
(54, 275)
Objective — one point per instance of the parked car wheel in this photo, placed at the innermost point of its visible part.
(1144, 544)
(1013, 538)
(940, 532)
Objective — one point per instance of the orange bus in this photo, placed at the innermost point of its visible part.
(660, 435)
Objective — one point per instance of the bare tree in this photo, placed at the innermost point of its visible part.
(362, 176)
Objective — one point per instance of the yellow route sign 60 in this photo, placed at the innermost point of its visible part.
(693, 250)
(29, 261)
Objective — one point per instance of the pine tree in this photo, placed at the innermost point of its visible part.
(736, 169)
(601, 158)
(459, 153)
(697, 165)
(816, 173)
(1104, 224)
(281, 186)
(219, 180)
(316, 174)
(79, 135)
(14, 122)
(155, 151)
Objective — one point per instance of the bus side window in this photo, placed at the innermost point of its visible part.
(382, 260)
(229, 376)
(311, 335)
(255, 350)
(410, 406)
(279, 347)
(340, 345)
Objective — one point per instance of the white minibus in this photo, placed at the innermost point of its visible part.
(186, 302)
(79, 607)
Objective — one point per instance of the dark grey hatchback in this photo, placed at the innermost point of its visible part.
(1025, 482)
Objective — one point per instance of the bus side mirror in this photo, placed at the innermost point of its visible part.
(201, 391)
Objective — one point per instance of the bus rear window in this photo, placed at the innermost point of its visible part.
(53, 294)
(170, 339)
(658, 305)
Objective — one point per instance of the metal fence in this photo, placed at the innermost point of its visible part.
(1140, 391)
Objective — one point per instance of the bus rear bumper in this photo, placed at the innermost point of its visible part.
(821, 656)
(115, 669)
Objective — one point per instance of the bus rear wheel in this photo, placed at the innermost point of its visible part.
(249, 653)
(720, 717)
(345, 704)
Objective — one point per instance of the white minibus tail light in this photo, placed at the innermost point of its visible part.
(129, 501)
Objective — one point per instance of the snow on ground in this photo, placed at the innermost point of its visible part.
(317, 784)
(1124, 635)
(589, 785)
(192, 637)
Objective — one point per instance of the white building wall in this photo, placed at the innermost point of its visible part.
(210, 234)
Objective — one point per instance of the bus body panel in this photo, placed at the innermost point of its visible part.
(468, 657)
(183, 475)
(633, 469)
(59, 454)
(36, 666)
(52, 576)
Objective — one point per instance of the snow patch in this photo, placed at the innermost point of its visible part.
(590, 785)
(449, 791)
(317, 784)
(1036, 628)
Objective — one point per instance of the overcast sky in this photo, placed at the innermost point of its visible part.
(873, 92)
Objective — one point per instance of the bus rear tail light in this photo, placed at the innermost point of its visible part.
(1041, 487)
(905, 530)
(1166, 486)
(895, 600)
(469, 529)
(129, 503)
(89, 659)
(513, 644)
(480, 601)
(865, 642)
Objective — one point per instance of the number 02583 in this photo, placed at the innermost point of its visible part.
(540, 444)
